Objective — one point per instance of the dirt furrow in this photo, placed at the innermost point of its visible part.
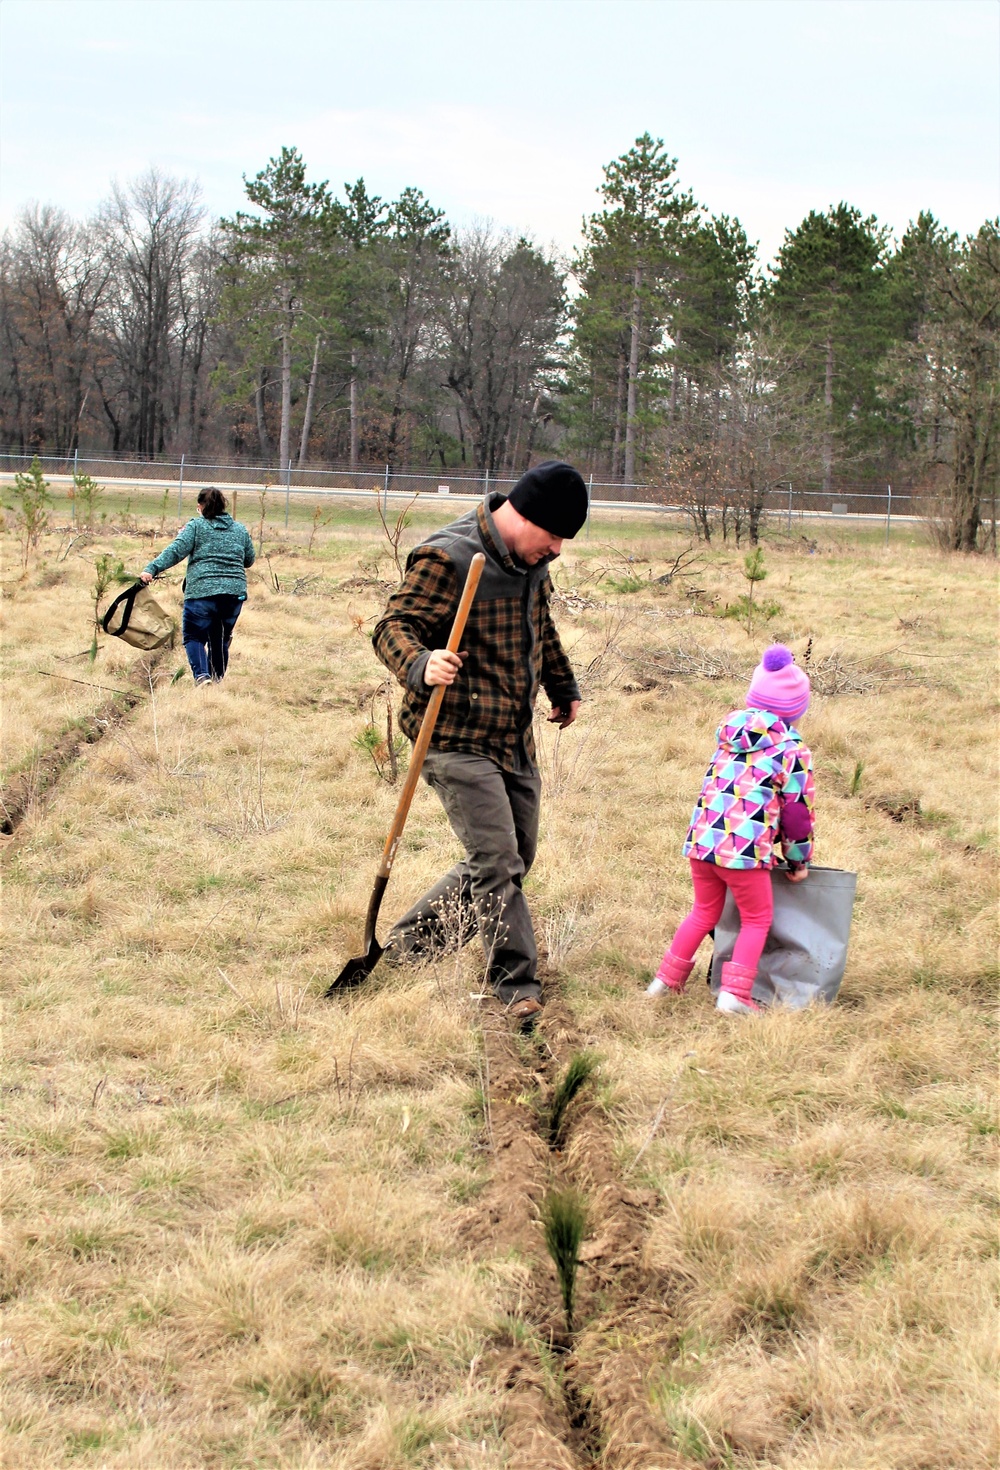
(19, 794)
(580, 1401)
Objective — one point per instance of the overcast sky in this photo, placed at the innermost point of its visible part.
(508, 109)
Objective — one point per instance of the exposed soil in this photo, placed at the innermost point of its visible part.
(535, 1427)
(507, 1215)
(19, 794)
(585, 1402)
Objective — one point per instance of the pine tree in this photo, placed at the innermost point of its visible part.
(714, 296)
(362, 292)
(828, 310)
(946, 376)
(628, 270)
(276, 269)
(417, 248)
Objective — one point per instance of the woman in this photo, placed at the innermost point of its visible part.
(219, 550)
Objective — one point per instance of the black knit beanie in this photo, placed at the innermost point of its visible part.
(552, 495)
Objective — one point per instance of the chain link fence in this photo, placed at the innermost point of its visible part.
(786, 503)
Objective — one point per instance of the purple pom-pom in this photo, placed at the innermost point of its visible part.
(777, 657)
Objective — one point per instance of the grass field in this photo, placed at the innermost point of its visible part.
(245, 1226)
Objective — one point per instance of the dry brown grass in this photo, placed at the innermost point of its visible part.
(236, 1215)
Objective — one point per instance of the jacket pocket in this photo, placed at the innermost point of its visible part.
(459, 702)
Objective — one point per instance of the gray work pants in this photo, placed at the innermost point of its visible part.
(494, 814)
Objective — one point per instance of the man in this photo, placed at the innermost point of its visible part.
(481, 761)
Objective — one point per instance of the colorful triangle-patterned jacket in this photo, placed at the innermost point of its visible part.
(758, 796)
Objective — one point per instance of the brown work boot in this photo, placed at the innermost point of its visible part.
(524, 1012)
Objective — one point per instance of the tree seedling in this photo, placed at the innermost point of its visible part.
(393, 533)
(86, 494)
(754, 572)
(106, 571)
(263, 515)
(579, 1070)
(32, 501)
(318, 519)
(386, 750)
(564, 1220)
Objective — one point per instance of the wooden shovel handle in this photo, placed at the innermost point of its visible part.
(423, 739)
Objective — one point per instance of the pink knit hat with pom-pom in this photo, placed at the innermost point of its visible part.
(779, 685)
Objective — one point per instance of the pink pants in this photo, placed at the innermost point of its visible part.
(751, 888)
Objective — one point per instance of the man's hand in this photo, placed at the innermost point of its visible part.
(145, 578)
(443, 667)
(563, 715)
(797, 875)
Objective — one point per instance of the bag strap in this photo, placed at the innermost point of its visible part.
(128, 598)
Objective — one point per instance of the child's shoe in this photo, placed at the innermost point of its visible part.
(671, 975)
(735, 993)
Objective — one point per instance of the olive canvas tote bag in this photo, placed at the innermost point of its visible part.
(137, 618)
(806, 950)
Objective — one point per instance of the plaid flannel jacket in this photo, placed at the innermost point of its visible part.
(510, 638)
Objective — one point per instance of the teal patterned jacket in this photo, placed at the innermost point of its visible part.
(218, 552)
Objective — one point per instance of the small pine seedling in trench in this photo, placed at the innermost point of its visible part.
(564, 1220)
(579, 1070)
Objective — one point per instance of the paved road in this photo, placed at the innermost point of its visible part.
(124, 485)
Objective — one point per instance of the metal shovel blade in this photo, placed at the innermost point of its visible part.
(356, 971)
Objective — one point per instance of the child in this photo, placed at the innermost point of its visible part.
(758, 792)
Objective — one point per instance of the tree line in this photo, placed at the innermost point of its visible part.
(315, 328)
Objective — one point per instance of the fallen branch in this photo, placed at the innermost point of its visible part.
(85, 682)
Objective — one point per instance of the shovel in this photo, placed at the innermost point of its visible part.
(358, 970)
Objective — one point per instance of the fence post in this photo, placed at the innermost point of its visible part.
(486, 482)
(76, 466)
(288, 486)
(789, 507)
(385, 493)
(590, 496)
(180, 486)
(888, 513)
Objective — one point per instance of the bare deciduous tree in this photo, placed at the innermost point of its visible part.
(53, 278)
(500, 316)
(151, 233)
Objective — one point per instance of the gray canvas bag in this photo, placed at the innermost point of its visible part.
(806, 949)
(136, 617)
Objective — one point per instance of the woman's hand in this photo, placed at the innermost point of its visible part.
(797, 875)
(145, 578)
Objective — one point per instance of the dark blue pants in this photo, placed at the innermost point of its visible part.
(207, 629)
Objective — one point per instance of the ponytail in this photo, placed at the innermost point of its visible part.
(212, 502)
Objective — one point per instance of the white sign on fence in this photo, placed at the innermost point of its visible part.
(444, 489)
